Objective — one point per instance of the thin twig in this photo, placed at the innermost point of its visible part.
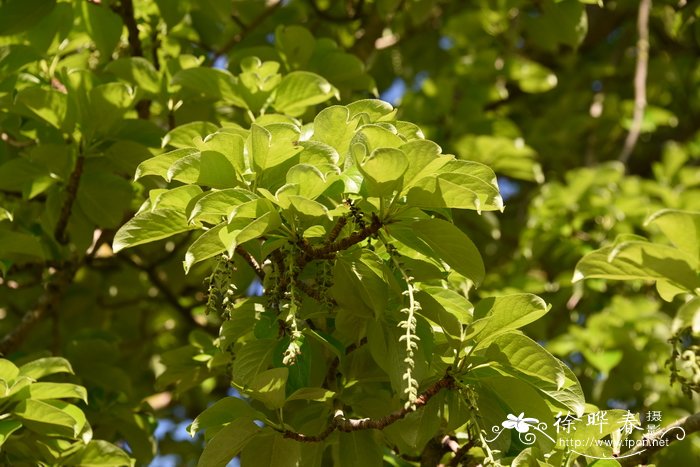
(47, 306)
(71, 193)
(660, 439)
(340, 423)
(640, 80)
(235, 39)
(354, 238)
(252, 262)
(164, 290)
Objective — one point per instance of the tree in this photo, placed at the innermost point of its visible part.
(210, 221)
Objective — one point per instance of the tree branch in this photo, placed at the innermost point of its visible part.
(347, 425)
(247, 29)
(47, 306)
(343, 244)
(252, 262)
(71, 193)
(640, 81)
(653, 443)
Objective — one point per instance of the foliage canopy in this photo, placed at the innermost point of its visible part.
(211, 226)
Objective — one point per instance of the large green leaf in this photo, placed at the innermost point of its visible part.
(44, 418)
(269, 386)
(383, 171)
(301, 89)
(103, 25)
(41, 367)
(222, 412)
(496, 316)
(228, 442)
(160, 164)
(19, 15)
(39, 391)
(682, 228)
(7, 427)
(359, 449)
(251, 359)
(150, 226)
(270, 449)
(206, 246)
(443, 241)
(99, 453)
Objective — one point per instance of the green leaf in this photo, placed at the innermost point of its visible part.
(526, 356)
(682, 228)
(359, 449)
(104, 197)
(8, 370)
(108, 104)
(688, 315)
(210, 168)
(299, 90)
(311, 394)
(47, 104)
(150, 226)
(183, 136)
(19, 15)
(269, 387)
(41, 367)
(160, 164)
(357, 287)
(177, 198)
(18, 243)
(309, 179)
(251, 359)
(446, 308)
(271, 449)
(137, 71)
(99, 453)
(498, 315)
(272, 146)
(206, 246)
(40, 391)
(210, 83)
(103, 25)
(295, 44)
(7, 427)
(240, 230)
(383, 170)
(333, 126)
(44, 418)
(222, 412)
(228, 442)
(443, 241)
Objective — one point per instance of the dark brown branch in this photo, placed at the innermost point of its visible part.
(340, 423)
(126, 11)
(71, 193)
(640, 80)
(343, 244)
(335, 231)
(655, 442)
(248, 29)
(47, 306)
(252, 262)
